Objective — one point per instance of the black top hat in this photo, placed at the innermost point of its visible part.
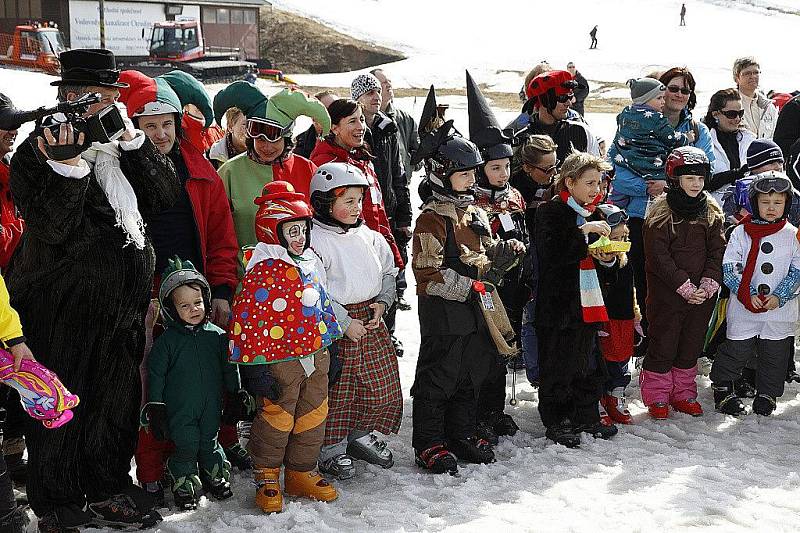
(89, 66)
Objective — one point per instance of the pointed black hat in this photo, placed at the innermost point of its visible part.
(484, 131)
(429, 114)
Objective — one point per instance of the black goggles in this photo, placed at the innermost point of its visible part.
(269, 131)
(768, 185)
(564, 98)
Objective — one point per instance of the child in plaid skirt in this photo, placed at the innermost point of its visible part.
(361, 274)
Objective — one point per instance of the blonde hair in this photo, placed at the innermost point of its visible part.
(660, 213)
(576, 164)
(742, 63)
(537, 146)
(231, 116)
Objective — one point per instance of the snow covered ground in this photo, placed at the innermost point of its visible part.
(714, 473)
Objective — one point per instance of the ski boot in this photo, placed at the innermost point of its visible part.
(14, 522)
(184, 492)
(120, 512)
(339, 467)
(689, 406)
(616, 406)
(726, 400)
(268, 494)
(437, 459)
(764, 405)
(563, 434)
(486, 432)
(605, 419)
(217, 482)
(503, 424)
(238, 457)
(372, 450)
(308, 485)
(402, 304)
(658, 410)
(472, 450)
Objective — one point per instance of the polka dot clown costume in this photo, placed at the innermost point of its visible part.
(281, 325)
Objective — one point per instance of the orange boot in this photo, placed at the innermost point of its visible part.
(268, 496)
(309, 485)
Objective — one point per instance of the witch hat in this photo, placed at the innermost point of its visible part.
(484, 131)
(430, 119)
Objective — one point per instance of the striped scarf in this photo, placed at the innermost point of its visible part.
(594, 309)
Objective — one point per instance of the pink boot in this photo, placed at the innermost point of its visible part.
(684, 391)
(656, 389)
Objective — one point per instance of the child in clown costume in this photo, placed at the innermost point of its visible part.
(281, 328)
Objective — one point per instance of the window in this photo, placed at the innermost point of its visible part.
(210, 15)
(237, 16)
(223, 16)
(250, 16)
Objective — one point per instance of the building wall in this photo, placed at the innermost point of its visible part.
(232, 28)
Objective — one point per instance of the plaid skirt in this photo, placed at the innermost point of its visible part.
(368, 395)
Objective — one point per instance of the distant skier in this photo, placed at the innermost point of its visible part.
(593, 35)
(683, 14)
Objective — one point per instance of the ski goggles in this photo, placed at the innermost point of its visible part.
(269, 131)
(732, 113)
(564, 98)
(766, 185)
(616, 218)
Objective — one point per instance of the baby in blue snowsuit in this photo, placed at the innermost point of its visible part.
(644, 135)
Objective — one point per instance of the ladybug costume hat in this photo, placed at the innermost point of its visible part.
(544, 90)
(280, 203)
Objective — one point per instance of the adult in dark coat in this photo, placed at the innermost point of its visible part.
(581, 91)
(81, 282)
(787, 135)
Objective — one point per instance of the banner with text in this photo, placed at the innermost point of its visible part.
(124, 23)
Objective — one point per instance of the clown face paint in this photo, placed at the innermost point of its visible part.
(295, 234)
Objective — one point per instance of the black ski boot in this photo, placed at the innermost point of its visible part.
(597, 430)
(503, 424)
(14, 522)
(745, 387)
(486, 432)
(764, 405)
(437, 459)
(564, 434)
(238, 457)
(217, 486)
(726, 400)
(472, 450)
(184, 492)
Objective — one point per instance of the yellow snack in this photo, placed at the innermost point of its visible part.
(607, 246)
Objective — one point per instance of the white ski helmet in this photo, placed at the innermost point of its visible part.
(325, 180)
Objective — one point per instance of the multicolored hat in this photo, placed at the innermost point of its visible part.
(145, 96)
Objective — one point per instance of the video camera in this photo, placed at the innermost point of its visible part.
(103, 126)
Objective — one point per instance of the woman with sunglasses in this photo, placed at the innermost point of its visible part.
(269, 154)
(679, 102)
(345, 144)
(730, 140)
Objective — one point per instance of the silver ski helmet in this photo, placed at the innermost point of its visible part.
(326, 180)
(177, 274)
(767, 182)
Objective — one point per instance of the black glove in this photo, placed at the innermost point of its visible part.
(259, 381)
(494, 277)
(156, 416)
(240, 405)
(505, 257)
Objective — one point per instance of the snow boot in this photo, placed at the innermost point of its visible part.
(486, 432)
(50, 523)
(120, 512)
(726, 400)
(658, 410)
(216, 483)
(308, 485)
(746, 385)
(616, 406)
(597, 430)
(472, 450)
(563, 434)
(372, 450)
(14, 522)
(689, 406)
(268, 494)
(503, 424)
(604, 418)
(184, 492)
(764, 405)
(437, 459)
(339, 467)
(17, 468)
(238, 457)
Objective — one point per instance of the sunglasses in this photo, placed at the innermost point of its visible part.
(732, 113)
(564, 98)
(768, 185)
(269, 131)
(676, 89)
(546, 170)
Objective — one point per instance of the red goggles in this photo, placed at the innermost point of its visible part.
(269, 131)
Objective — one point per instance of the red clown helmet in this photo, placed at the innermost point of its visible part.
(279, 203)
(544, 88)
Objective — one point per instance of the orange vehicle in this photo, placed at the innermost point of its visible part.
(34, 46)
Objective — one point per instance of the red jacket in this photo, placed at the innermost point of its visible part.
(298, 171)
(201, 138)
(212, 215)
(373, 212)
(11, 226)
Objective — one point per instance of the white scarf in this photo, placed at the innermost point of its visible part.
(104, 158)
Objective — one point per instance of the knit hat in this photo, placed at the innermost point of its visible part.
(147, 96)
(761, 152)
(363, 84)
(645, 89)
(284, 107)
(190, 91)
(245, 96)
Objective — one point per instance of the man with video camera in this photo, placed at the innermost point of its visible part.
(81, 282)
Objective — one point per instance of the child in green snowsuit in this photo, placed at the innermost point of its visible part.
(187, 371)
